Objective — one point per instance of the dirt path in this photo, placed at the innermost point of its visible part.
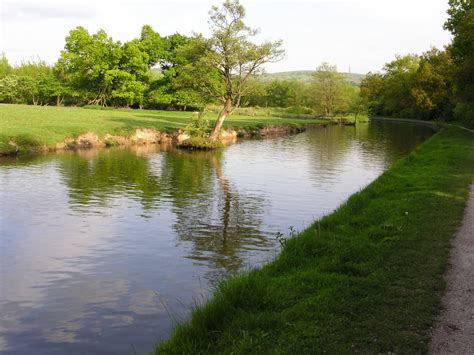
(454, 331)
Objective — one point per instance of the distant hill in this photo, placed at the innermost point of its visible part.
(300, 75)
(305, 75)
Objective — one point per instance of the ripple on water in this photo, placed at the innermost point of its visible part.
(101, 250)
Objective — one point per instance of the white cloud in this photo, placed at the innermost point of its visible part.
(19, 11)
(363, 34)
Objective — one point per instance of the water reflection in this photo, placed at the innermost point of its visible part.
(221, 224)
(100, 249)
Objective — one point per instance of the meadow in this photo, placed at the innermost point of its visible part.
(34, 126)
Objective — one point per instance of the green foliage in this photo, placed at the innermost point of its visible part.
(9, 89)
(86, 61)
(288, 93)
(434, 85)
(152, 44)
(461, 24)
(5, 67)
(201, 143)
(412, 87)
(227, 60)
(32, 83)
(199, 126)
(103, 71)
(176, 88)
(399, 79)
(432, 89)
(283, 239)
(328, 90)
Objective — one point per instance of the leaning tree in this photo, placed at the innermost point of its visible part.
(229, 58)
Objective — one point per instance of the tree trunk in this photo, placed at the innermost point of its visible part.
(226, 110)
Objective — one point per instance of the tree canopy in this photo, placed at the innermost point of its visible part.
(193, 72)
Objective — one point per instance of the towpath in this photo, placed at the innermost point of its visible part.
(454, 331)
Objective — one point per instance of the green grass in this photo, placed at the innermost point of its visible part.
(32, 126)
(368, 278)
(200, 143)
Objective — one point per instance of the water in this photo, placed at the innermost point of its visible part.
(101, 251)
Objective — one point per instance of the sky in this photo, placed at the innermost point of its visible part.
(355, 35)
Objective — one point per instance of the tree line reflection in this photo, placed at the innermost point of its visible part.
(210, 212)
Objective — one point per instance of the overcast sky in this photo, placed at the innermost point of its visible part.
(360, 34)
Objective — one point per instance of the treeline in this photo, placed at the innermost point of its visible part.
(438, 84)
(178, 72)
(327, 94)
(153, 71)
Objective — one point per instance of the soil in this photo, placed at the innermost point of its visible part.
(454, 331)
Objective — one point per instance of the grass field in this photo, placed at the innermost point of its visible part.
(32, 126)
(366, 279)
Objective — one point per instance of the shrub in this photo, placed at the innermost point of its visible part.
(199, 126)
(200, 143)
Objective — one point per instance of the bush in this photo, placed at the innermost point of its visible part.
(7, 148)
(465, 113)
(199, 126)
(200, 143)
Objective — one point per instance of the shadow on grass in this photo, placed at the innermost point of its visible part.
(159, 123)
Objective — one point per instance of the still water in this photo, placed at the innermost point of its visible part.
(102, 251)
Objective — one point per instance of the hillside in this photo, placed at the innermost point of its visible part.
(301, 75)
(305, 75)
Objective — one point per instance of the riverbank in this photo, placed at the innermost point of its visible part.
(368, 278)
(38, 128)
(405, 120)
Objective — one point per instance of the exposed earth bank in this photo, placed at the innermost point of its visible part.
(152, 136)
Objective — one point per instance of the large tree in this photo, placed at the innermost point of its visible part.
(86, 61)
(5, 67)
(399, 76)
(461, 24)
(104, 71)
(328, 89)
(228, 59)
(432, 87)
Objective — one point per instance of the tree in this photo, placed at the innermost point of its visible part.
(129, 80)
(152, 44)
(5, 67)
(86, 60)
(228, 59)
(9, 92)
(174, 88)
(461, 24)
(371, 89)
(432, 88)
(327, 89)
(105, 71)
(256, 94)
(399, 79)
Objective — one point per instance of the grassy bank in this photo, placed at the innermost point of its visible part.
(368, 278)
(34, 126)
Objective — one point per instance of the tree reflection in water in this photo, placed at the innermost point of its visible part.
(220, 222)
